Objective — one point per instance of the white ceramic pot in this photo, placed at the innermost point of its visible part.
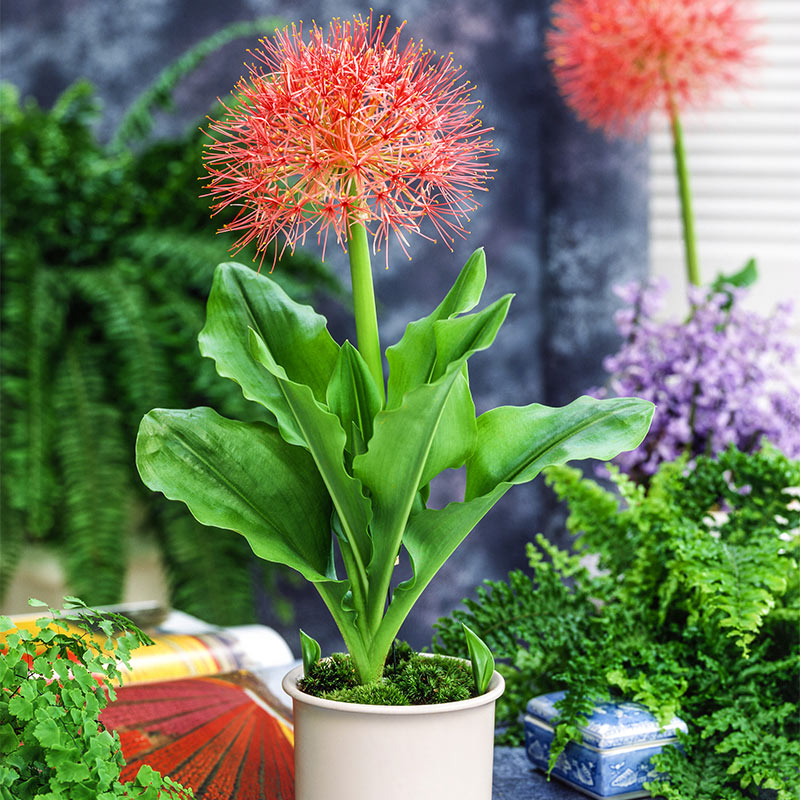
(350, 751)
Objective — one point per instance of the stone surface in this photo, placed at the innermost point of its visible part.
(565, 217)
(516, 779)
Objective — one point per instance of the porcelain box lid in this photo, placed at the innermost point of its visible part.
(611, 724)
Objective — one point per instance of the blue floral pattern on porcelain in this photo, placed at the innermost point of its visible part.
(613, 759)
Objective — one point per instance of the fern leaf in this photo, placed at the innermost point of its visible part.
(94, 463)
(124, 311)
(33, 319)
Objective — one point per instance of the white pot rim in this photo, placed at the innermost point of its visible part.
(496, 687)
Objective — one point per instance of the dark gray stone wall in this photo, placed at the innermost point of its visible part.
(565, 217)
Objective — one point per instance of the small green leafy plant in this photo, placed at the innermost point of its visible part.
(695, 611)
(54, 683)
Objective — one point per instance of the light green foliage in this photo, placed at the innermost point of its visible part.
(481, 659)
(695, 611)
(53, 685)
(107, 255)
(363, 468)
(310, 649)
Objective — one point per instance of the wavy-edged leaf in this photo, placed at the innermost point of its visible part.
(455, 437)
(412, 359)
(455, 338)
(244, 477)
(392, 468)
(295, 335)
(322, 435)
(516, 442)
(535, 437)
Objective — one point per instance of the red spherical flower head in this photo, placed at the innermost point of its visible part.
(347, 128)
(615, 61)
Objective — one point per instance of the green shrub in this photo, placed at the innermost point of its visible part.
(107, 258)
(694, 609)
(54, 683)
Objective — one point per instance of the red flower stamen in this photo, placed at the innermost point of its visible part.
(347, 128)
(615, 61)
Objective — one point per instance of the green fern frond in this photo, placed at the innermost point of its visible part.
(138, 121)
(33, 319)
(94, 467)
(12, 539)
(123, 309)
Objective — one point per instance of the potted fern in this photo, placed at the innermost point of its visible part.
(348, 135)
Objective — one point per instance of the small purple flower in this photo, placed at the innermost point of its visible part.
(724, 376)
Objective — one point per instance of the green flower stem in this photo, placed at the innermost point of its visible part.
(364, 302)
(687, 216)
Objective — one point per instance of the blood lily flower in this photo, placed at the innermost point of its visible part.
(616, 61)
(347, 127)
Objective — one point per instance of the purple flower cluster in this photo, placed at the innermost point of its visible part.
(723, 376)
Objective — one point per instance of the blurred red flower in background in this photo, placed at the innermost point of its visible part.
(615, 61)
(347, 128)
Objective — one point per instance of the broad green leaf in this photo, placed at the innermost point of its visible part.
(392, 470)
(398, 461)
(456, 434)
(295, 334)
(353, 396)
(310, 649)
(481, 658)
(430, 539)
(243, 477)
(412, 359)
(455, 338)
(516, 442)
(322, 435)
(514, 445)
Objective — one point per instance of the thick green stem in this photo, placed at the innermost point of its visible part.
(368, 668)
(364, 302)
(687, 216)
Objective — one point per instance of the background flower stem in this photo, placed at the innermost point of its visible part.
(364, 302)
(687, 215)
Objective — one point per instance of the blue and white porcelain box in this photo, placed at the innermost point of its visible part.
(613, 760)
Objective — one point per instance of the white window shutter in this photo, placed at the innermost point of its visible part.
(744, 164)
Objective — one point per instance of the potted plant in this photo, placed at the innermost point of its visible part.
(350, 136)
